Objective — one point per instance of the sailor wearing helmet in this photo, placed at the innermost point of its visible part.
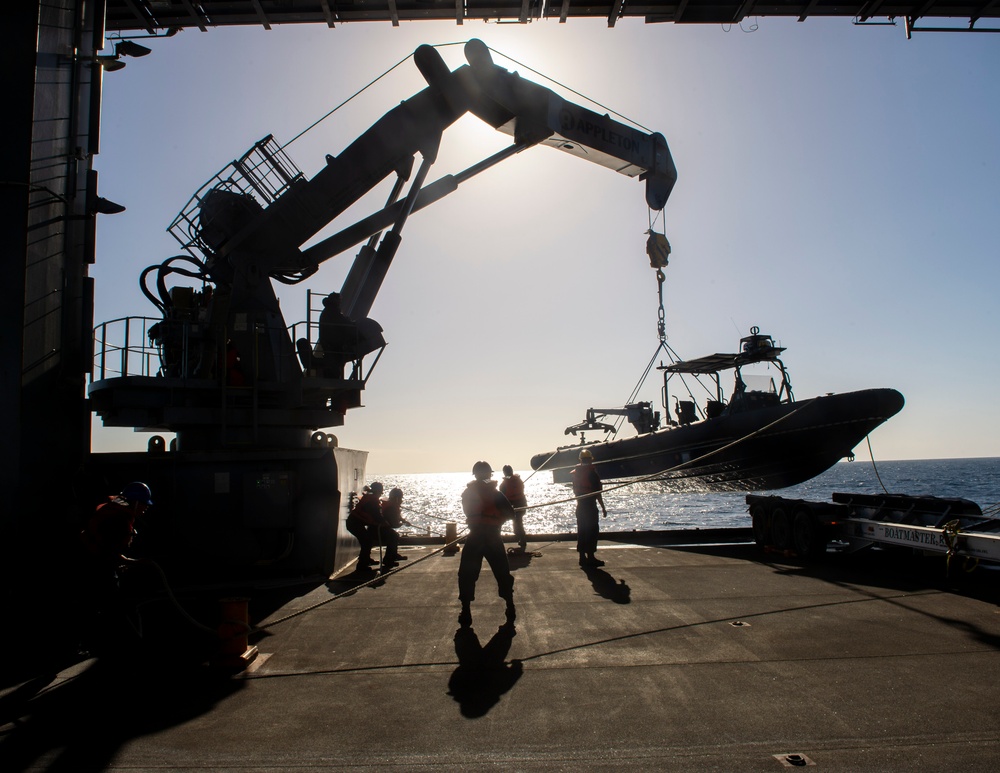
(108, 613)
(485, 509)
(110, 530)
(587, 488)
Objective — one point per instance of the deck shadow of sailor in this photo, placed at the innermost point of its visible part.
(348, 585)
(83, 722)
(483, 674)
(518, 559)
(606, 586)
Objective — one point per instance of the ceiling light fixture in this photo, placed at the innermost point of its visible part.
(129, 48)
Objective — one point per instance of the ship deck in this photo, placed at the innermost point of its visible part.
(670, 657)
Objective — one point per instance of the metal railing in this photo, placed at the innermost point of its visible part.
(122, 348)
(355, 367)
(262, 174)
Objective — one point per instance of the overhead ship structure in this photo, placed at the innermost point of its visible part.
(153, 15)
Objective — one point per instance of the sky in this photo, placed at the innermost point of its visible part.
(837, 187)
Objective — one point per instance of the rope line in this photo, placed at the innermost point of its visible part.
(874, 466)
(170, 593)
(378, 578)
(541, 466)
(993, 509)
(950, 532)
(661, 475)
(382, 576)
(424, 514)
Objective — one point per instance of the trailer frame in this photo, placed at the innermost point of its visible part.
(928, 525)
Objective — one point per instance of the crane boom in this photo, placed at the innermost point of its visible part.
(248, 472)
(249, 223)
(530, 113)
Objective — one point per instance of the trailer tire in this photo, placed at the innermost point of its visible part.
(781, 529)
(758, 520)
(806, 537)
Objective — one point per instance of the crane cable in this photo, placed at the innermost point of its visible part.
(375, 80)
(658, 250)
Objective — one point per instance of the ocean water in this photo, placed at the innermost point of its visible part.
(432, 500)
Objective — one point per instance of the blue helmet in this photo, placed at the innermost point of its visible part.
(137, 492)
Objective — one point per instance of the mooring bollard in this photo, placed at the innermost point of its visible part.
(235, 651)
(450, 535)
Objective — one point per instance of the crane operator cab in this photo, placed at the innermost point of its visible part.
(340, 340)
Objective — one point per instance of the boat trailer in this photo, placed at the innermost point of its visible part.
(926, 524)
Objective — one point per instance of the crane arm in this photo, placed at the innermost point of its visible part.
(251, 224)
(534, 114)
(531, 113)
(270, 237)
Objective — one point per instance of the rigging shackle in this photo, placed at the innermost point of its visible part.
(658, 250)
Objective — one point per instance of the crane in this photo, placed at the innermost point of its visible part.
(242, 391)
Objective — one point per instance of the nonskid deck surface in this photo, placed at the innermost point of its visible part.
(668, 657)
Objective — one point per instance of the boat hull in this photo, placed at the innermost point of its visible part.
(760, 450)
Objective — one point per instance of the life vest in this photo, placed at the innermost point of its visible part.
(367, 510)
(391, 513)
(585, 480)
(110, 530)
(483, 504)
(513, 489)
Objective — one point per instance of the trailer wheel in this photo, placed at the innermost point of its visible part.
(781, 529)
(758, 519)
(806, 536)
